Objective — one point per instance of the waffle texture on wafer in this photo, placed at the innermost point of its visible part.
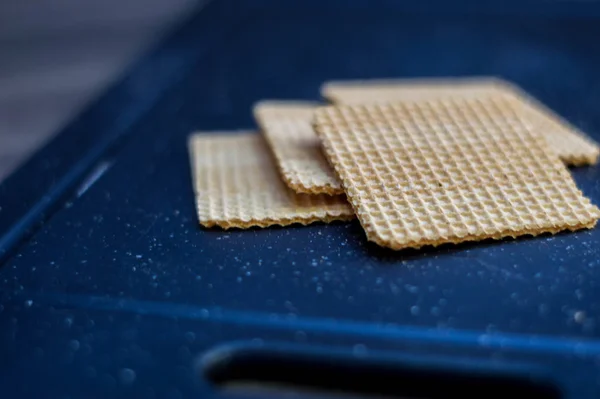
(288, 130)
(448, 171)
(570, 144)
(237, 185)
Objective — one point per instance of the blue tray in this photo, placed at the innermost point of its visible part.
(109, 288)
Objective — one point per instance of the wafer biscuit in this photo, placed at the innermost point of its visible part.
(572, 146)
(288, 130)
(237, 185)
(448, 171)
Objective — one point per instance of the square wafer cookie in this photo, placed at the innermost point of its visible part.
(572, 146)
(237, 185)
(287, 127)
(448, 171)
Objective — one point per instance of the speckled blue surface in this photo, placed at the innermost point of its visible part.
(110, 289)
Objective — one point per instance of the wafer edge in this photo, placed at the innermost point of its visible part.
(283, 222)
(284, 171)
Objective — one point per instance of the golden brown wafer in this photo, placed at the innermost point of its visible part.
(572, 146)
(237, 185)
(448, 171)
(288, 130)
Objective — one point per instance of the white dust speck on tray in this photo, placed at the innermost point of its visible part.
(28, 303)
(579, 316)
(74, 345)
(127, 376)
(491, 328)
(484, 340)
(359, 350)
(411, 288)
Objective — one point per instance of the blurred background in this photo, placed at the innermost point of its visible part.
(57, 55)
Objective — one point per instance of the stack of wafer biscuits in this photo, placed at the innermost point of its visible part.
(418, 162)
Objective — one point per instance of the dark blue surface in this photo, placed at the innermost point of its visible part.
(110, 288)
